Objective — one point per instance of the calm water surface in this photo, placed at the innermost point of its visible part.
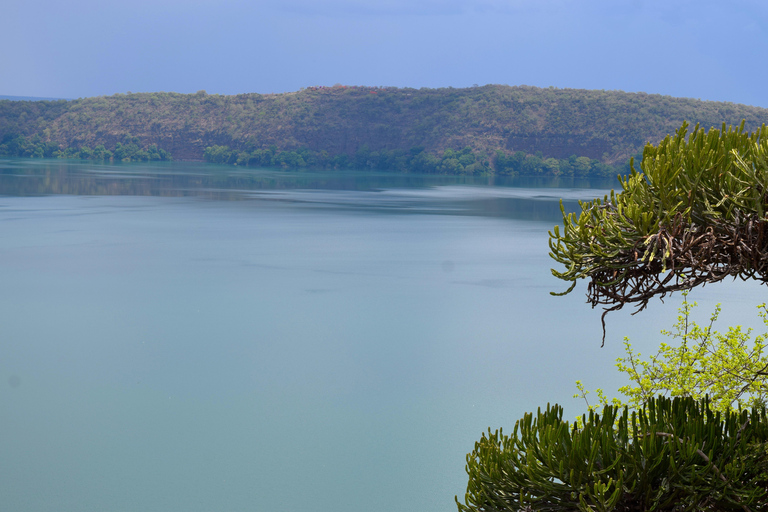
(185, 337)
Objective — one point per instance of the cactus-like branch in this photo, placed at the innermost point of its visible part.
(695, 215)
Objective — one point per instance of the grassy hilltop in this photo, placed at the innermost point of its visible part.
(336, 125)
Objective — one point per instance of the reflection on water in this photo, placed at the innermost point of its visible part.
(523, 198)
(189, 178)
(183, 337)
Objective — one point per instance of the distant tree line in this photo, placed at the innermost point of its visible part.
(418, 160)
(129, 150)
(464, 161)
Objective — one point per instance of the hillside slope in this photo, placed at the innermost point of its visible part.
(605, 125)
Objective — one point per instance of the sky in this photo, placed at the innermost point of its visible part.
(712, 50)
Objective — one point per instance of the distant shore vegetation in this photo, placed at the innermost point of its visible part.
(127, 151)
(417, 160)
(493, 129)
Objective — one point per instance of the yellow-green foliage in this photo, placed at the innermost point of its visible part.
(731, 368)
(695, 182)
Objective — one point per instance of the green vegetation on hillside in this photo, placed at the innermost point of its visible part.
(551, 128)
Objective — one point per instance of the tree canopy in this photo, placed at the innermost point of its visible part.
(694, 214)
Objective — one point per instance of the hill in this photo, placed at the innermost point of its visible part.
(337, 124)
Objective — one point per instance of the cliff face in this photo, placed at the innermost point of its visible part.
(605, 125)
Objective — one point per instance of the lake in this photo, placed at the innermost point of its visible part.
(189, 337)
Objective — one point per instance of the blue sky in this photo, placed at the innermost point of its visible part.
(699, 49)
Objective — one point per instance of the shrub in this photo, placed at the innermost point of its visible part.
(671, 454)
(728, 367)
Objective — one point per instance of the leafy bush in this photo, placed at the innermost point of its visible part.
(730, 367)
(671, 454)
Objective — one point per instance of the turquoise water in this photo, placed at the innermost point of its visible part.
(184, 337)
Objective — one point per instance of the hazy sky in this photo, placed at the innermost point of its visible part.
(714, 50)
